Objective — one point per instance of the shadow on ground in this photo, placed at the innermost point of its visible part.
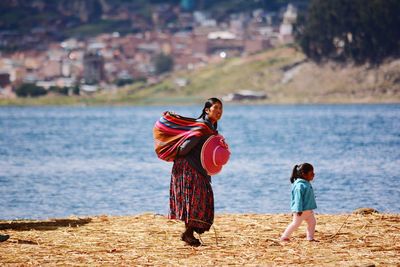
(43, 225)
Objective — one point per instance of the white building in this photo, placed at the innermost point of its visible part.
(286, 28)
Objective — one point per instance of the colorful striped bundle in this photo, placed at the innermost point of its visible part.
(171, 130)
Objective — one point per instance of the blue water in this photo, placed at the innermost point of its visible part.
(62, 161)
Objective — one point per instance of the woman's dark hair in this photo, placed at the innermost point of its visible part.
(300, 170)
(211, 101)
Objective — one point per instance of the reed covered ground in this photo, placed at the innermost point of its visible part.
(235, 239)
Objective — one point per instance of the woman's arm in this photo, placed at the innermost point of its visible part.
(188, 145)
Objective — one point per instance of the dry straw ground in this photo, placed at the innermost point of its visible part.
(245, 239)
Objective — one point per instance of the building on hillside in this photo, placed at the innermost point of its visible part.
(4, 79)
(224, 43)
(93, 67)
(245, 95)
(286, 28)
(255, 45)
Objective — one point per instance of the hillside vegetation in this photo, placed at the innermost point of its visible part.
(283, 74)
(357, 31)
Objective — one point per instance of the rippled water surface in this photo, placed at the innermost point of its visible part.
(61, 161)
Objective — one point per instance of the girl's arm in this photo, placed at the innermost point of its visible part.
(298, 206)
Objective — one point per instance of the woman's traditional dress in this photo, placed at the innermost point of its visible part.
(191, 196)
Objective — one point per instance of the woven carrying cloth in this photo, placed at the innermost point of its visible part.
(171, 130)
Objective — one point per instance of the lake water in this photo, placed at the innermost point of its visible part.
(62, 161)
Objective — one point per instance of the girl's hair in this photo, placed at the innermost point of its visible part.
(300, 170)
(211, 101)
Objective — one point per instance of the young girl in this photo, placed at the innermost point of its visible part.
(302, 201)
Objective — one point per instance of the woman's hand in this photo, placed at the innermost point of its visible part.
(224, 144)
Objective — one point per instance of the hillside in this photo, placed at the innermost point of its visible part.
(286, 77)
(283, 74)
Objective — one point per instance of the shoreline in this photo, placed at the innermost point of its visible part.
(235, 239)
(81, 105)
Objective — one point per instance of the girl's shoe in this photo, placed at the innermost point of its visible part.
(285, 239)
(190, 240)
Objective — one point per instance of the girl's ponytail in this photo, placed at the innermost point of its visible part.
(294, 174)
(300, 170)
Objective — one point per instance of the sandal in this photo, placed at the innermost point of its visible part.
(190, 240)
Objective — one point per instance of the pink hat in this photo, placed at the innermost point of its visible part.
(214, 154)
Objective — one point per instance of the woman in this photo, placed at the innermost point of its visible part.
(191, 194)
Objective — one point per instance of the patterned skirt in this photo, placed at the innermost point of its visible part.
(191, 197)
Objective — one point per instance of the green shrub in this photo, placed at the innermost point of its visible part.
(163, 63)
(59, 90)
(29, 89)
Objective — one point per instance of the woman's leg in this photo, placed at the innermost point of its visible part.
(191, 200)
(189, 230)
(297, 220)
(311, 222)
(189, 238)
(200, 200)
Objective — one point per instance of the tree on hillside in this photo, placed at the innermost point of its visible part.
(163, 63)
(357, 30)
(29, 89)
(59, 90)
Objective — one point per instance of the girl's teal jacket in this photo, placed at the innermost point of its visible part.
(302, 196)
